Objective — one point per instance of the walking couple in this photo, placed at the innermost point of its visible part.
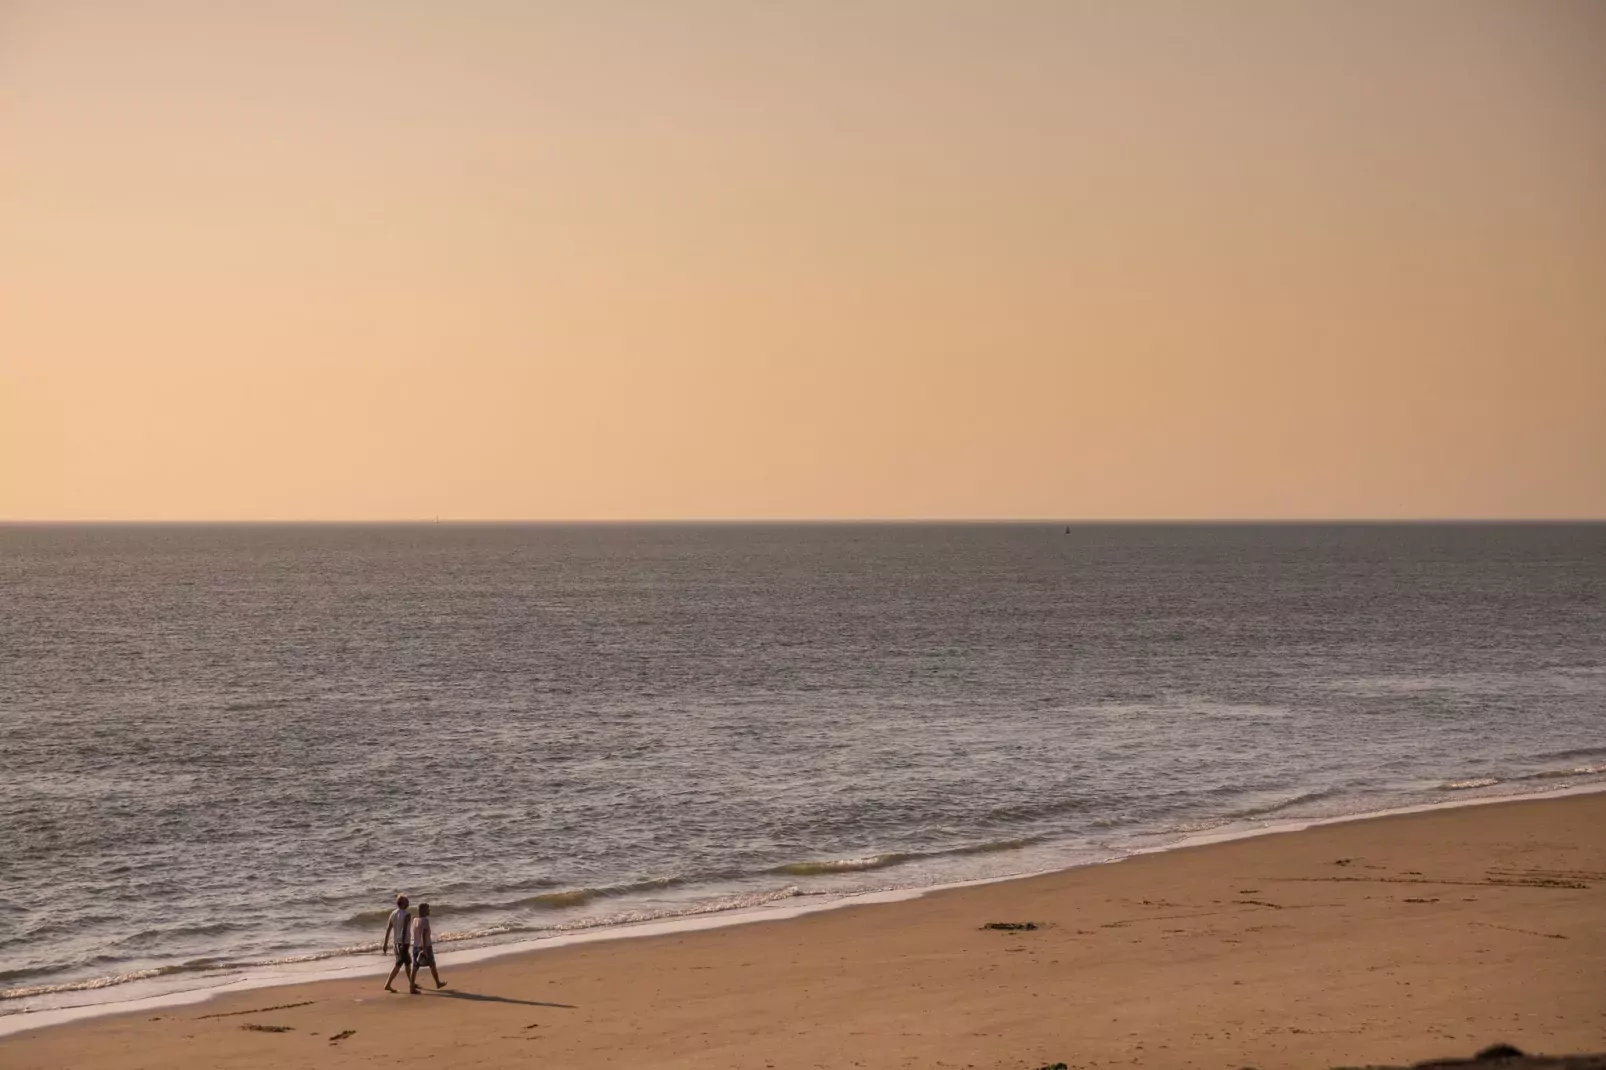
(415, 946)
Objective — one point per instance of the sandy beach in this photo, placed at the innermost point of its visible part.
(1386, 940)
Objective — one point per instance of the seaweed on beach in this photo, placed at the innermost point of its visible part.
(342, 1035)
(1012, 926)
(256, 1010)
(255, 1028)
(1505, 1057)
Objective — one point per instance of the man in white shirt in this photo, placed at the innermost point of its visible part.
(400, 924)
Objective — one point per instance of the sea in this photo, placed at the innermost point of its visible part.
(224, 749)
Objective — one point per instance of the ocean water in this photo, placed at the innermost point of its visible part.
(226, 748)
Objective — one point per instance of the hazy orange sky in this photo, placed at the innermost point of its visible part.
(802, 258)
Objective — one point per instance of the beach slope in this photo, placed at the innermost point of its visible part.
(1377, 942)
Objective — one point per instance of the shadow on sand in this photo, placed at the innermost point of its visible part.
(480, 997)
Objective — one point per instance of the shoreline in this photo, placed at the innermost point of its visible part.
(1368, 942)
(361, 966)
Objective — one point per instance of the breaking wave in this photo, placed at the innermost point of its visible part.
(823, 867)
(1519, 778)
(1301, 799)
(193, 966)
(559, 899)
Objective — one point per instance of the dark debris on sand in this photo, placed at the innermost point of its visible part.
(257, 1010)
(1498, 1057)
(1505, 1057)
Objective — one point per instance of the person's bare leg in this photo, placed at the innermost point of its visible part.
(433, 972)
(392, 979)
(412, 980)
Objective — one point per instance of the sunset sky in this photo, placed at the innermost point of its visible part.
(802, 258)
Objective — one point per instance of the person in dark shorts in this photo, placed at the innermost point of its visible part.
(400, 924)
(423, 950)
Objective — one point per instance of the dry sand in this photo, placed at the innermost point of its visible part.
(1380, 941)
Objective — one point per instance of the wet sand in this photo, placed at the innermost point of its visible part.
(1388, 940)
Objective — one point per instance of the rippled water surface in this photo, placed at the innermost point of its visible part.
(229, 746)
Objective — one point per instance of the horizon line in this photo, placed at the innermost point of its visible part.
(782, 520)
